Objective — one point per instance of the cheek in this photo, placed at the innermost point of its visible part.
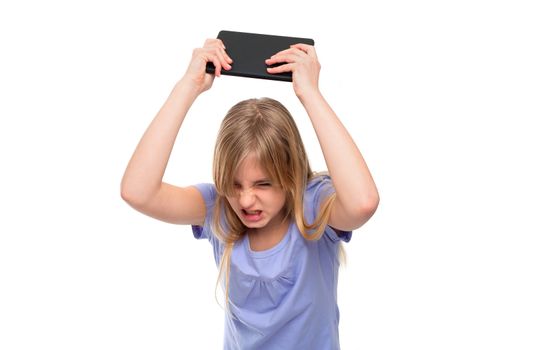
(279, 200)
(233, 204)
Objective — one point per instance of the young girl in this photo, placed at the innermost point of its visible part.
(275, 227)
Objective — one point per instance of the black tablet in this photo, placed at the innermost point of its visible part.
(249, 52)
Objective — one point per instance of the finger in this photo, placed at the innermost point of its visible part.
(220, 42)
(218, 67)
(217, 44)
(223, 58)
(308, 49)
(216, 62)
(281, 69)
(293, 51)
(282, 52)
(212, 52)
(282, 58)
(226, 56)
(214, 42)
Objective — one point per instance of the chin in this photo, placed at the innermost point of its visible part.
(253, 225)
(257, 224)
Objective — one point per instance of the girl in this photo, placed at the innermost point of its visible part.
(275, 227)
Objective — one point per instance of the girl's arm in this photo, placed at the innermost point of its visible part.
(357, 196)
(142, 186)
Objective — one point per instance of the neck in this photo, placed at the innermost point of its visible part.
(266, 238)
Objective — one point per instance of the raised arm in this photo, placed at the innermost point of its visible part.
(142, 186)
(357, 196)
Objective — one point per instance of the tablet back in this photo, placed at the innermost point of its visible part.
(249, 52)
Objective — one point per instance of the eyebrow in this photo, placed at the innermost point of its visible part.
(256, 182)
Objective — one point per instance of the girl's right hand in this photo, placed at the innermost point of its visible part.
(213, 51)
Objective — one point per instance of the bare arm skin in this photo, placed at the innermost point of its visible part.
(357, 196)
(142, 186)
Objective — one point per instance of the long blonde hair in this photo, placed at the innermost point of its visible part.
(265, 128)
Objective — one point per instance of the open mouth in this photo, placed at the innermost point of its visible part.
(252, 215)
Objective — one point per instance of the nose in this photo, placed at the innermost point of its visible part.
(246, 198)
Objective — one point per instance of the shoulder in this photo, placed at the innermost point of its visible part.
(318, 187)
(208, 192)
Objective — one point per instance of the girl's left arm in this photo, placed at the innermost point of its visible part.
(357, 197)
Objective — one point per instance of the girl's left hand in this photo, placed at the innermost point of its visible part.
(301, 60)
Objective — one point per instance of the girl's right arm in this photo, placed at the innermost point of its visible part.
(142, 186)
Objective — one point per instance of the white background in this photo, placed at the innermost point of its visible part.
(438, 95)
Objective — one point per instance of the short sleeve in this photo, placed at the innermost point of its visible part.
(205, 232)
(209, 195)
(318, 190)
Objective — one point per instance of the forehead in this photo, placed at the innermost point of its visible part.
(250, 170)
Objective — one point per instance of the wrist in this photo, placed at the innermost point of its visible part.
(189, 87)
(184, 93)
(309, 95)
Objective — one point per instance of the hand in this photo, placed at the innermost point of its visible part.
(213, 51)
(301, 60)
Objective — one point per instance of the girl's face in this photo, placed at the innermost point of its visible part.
(258, 202)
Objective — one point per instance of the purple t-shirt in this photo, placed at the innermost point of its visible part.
(284, 297)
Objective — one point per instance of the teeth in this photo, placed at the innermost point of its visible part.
(252, 212)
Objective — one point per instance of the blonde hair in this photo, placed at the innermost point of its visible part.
(265, 128)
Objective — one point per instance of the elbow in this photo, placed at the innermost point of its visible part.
(132, 195)
(359, 213)
(127, 195)
(371, 203)
(364, 210)
(369, 207)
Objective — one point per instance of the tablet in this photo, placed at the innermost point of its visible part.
(249, 52)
